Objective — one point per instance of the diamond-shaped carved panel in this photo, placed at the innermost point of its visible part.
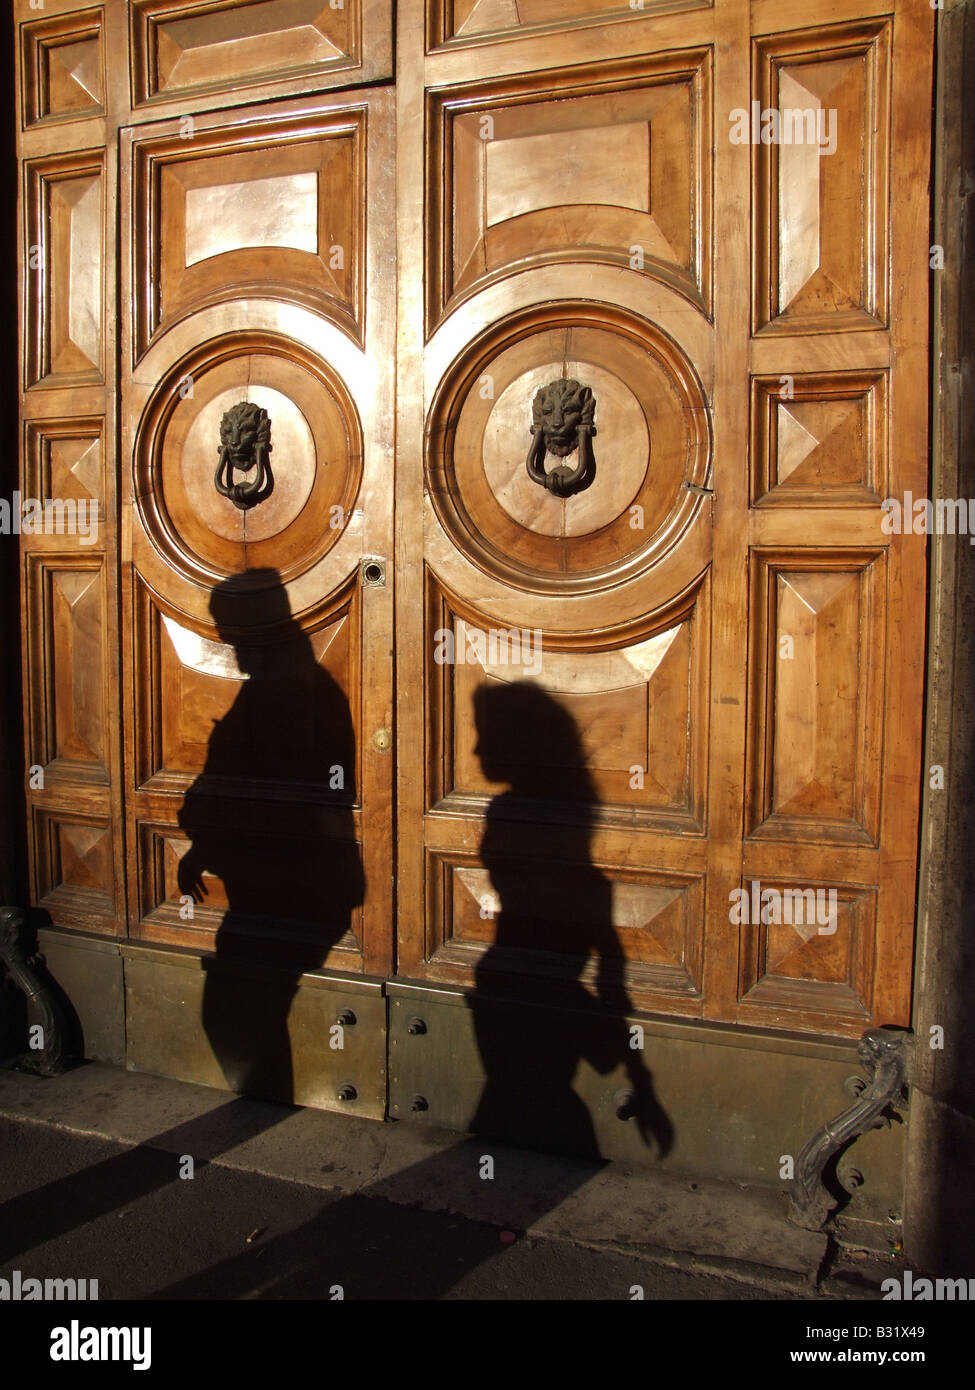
(62, 67)
(807, 947)
(821, 170)
(69, 723)
(573, 920)
(819, 440)
(818, 645)
(64, 300)
(64, 460)
(75, 863)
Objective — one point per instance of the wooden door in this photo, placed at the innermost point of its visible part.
(622, 708)
(630, 696)
(209, 332)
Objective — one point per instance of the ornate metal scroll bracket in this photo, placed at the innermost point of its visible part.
(886, 1053)
(25, 967)
(563, 414)
(245, 444)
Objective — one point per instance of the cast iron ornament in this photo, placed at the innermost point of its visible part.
(25, 968)
(886, 1054)
(563, 415)
(245, 443)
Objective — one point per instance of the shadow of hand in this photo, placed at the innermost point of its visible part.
(189, 876)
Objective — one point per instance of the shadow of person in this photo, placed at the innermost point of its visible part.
(554, 936)
(270, 819)
(272, 853)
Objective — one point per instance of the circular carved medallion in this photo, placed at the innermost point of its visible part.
(648, 435)
(315, 457)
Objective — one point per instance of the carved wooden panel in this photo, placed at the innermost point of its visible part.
(638, 703)
(283, 883)
(653, 441)
(808, 947)
(67, 669)
(191, 680)
(821, 189)
(261, 207)
(247, 742)
(457, 21)
(180, 50)
(819, 439)
(65, 289)
(63, 67)
(523, 916)
(64, 459)
(818, 657)
(517, 175)
(74, 863)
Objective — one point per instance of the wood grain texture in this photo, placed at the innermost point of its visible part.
(543, 193)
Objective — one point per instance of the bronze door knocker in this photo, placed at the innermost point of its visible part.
(562, 421)
(245, 442)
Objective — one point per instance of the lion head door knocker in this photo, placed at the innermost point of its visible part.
(562, 421)
(245, 444)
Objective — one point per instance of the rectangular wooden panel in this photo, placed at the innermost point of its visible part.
(67, 669)
(179, 50)
(275, 208)
(74, 868)
(806, 948)
(819, 439)
(603, 927)
(517, 175)
(286, 888)
(64, 299)
(62, 67)
(818, 655)
(819, 123)
(64, 459)
(458, 21)
(188, 681)
(638, 707)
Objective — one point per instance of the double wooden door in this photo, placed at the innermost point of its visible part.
(489, 585)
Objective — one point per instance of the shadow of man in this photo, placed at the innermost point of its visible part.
(270, 823)
(270, 817)
(554, 937)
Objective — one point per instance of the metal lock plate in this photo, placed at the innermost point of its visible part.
(373, 572)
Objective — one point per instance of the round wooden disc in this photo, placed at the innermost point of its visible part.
(316, 461)
(652, 437)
